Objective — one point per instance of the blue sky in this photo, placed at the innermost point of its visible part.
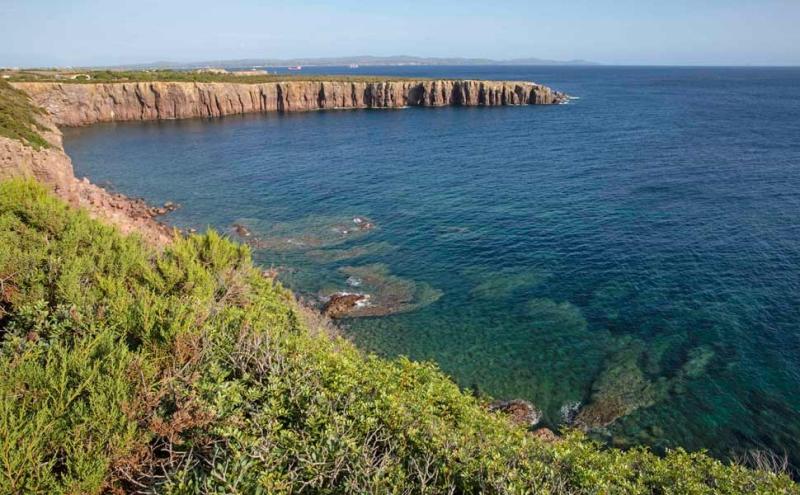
(93, 32)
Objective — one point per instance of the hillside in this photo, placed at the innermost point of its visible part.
(125, 369)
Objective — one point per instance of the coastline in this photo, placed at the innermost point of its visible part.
(80, 104)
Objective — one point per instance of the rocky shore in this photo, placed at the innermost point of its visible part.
(83, 104)
(53, 167)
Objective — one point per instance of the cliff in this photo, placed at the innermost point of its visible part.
(50, 165)
(83, 104)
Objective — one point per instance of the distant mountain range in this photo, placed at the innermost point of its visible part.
(366, 60)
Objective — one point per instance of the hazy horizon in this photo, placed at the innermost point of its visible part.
(95, 33)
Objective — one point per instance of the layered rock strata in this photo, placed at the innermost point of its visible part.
(83, 104)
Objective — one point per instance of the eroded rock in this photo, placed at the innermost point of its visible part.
(342, 304)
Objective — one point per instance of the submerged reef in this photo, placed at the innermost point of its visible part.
(388, 293)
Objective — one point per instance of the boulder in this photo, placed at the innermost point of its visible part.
(340, 305)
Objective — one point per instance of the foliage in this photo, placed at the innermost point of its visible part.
(18, 117)
(123, 369)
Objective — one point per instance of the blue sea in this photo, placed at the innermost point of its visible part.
(636, 250)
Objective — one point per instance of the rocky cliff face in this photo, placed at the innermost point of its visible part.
(82, 104)
(52, 167)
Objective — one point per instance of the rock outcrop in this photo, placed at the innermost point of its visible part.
(83, 104)
(53, 168)
(342, 304)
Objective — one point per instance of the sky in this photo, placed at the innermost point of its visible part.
(39, 33)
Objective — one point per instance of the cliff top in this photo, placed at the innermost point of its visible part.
(241, 77)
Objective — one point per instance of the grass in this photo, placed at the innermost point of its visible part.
(107, 76)
(124, 369)
(18, 117)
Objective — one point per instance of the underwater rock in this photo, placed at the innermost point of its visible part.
(341, 304)
(563, 317)
(521, 412)
(334, 255)
(503, 284)
(621, 388)
(389, 294)
(696, 363)
(315, 232)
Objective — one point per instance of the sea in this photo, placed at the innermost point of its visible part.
(633, 254)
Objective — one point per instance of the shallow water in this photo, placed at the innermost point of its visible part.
(637, 249)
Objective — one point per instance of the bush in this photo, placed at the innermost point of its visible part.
(19, 118)
(123, 369)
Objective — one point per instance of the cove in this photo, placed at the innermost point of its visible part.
(637, 249)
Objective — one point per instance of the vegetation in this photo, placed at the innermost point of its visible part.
(124, 369)
(101, 76)
(18, 118)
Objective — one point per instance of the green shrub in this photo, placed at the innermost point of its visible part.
(184, 371)
(18, 117)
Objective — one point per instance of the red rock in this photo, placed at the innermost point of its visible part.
(340, 304)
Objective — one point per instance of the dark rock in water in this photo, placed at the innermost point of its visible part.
(341, 304)
(521, 412)
(241, 230)
(389, 294)
(545, 435)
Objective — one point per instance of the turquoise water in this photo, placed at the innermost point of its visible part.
(636, 251)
